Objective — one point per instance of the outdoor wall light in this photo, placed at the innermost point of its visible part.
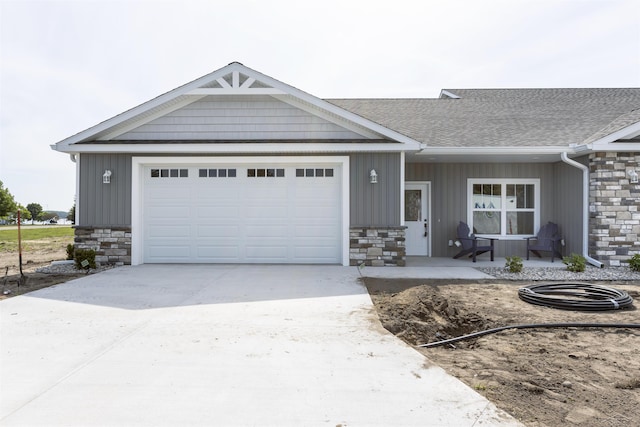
(373, 176)
(633, 175)
(106, 177)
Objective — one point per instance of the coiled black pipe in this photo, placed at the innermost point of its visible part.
(531, 326)
(589, 297)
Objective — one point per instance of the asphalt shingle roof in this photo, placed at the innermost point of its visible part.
(504, 117)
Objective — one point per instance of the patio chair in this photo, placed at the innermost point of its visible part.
(469, 243)
(547, 240)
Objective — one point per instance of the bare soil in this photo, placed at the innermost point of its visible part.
(40, 254)
(543, 377)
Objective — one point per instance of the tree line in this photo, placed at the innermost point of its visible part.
(33, 211)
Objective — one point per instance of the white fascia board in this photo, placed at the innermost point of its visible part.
(605, 143)
(446, 93)
(240, 148)
(493, 150)
(349, 116)
(617, 146)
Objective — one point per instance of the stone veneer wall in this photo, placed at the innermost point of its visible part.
(112, 245)
(614, 218)
(377, 246)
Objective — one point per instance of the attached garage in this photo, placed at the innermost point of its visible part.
(241, 210)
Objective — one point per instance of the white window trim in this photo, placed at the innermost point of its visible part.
(503, 212)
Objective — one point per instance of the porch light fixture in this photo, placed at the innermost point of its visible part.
(633, 175)
(106, 177)
(373, 176)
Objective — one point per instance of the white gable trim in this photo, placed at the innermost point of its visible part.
(239, 148)
(201, 87)
(608, 142)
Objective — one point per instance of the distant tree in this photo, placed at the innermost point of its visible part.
(25, 215)
(71, 216)
(8, 204)
(36, 211)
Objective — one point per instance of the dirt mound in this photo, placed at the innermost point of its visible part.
(544, 377)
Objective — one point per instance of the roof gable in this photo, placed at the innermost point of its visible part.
(234, 80)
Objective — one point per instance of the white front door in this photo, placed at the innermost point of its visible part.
(416, 218)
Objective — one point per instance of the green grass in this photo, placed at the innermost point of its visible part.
(35, 233)
(35, 237)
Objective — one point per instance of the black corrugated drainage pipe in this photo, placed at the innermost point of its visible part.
(585, 208)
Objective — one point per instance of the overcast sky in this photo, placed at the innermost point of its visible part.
(68, 65)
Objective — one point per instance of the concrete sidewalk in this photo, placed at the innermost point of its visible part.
(181, 345)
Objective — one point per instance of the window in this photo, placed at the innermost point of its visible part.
(265, 173)
(169, 173)
(504, 207)
(217, 173)
(318, 173)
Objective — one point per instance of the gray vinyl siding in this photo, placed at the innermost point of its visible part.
(105, 204)
(238, 118)
(568, 194)
(375, 204)
(449, 198)
(110, 204)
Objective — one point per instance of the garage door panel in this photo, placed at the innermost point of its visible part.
(217, 231)
(266, 253)
(263, 231)
(218, 212)
(213, 253)
(163, 231)
(284, 219)
(173, 251)
(266, 212)
(169, 213)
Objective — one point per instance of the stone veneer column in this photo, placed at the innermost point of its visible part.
(614, 218)
(112, 244)
(377, 246)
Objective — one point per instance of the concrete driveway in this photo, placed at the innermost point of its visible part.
(181, 345)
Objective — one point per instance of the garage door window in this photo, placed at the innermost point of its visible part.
(265, 173)
(169, 173)
(217, 173)
(317, 173)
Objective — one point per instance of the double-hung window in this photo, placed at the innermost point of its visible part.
(503, 207)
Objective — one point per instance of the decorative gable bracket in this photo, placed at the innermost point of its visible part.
(236, 83)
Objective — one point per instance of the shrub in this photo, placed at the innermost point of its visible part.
(513, 264)
(634, 262)
(70, 251)
(576, 263)
(85, 254)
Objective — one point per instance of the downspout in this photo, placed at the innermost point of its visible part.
(585, 210)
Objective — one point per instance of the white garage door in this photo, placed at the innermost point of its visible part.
(242, 213)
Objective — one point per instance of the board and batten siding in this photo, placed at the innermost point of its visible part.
(375, 205)
(105, 204)
(568, 205)
(110, 204)
(238, 118)
(449, 198)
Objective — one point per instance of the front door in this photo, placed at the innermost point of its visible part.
(416, 218)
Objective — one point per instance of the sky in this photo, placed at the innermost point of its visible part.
(68, 65)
